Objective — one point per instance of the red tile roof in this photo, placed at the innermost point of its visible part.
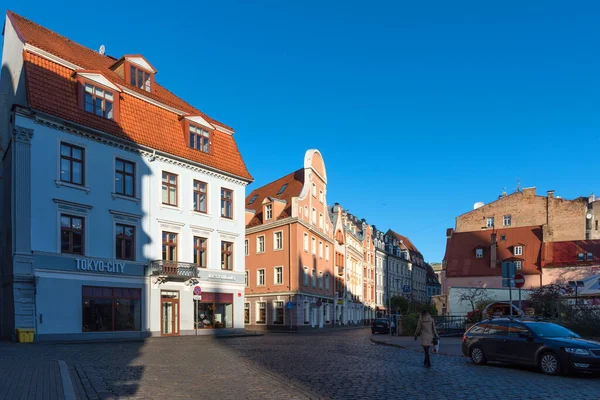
(460, 251)
(564, 254)
(51, 88)
(294, 181)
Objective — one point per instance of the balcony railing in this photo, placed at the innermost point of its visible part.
(173, 269)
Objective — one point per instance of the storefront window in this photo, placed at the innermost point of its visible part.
(107, 309)
(278, 313)
(246, 313)
(261, 315)
(306, 312)
(214, 311)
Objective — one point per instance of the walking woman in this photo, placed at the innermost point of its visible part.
(426, 329)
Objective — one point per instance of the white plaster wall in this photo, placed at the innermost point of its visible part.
(455, 307)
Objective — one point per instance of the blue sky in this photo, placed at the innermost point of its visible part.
(419, 108)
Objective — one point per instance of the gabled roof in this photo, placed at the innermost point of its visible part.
(294, 181)
(52, 89)
(405, 242)
(564, 254)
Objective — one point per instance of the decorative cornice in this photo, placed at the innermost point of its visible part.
(135, 148)
(22, 135)
(72, 204)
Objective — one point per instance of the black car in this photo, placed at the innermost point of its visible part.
(380, 325)
(550, 347)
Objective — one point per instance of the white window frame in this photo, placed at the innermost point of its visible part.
(321, 221)
(313, 216)
(258, 308)
(258, 277)
(314, 246)
(321, 197)
(247, 278)
(85, 148)
(489, 222)
(321, 280)
(275, 240)
(280, 268)
(314, 190)
(518, 250)
(327, 283)
(320, 249)
(247, 307)
(247, 247)
(306, 277)
(306, 242)
(326, 252)
(81, 211)
(314, 278)
(275, 311)
(258, 241)
(507, 218)
(268, 212)
(478, 253)
(518, 265)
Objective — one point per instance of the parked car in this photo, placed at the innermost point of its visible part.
(380, 325)
(550, 347)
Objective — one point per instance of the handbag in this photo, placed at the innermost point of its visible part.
(435, 340)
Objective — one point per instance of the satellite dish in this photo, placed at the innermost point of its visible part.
(477, 205)
(589, 216)
(102, 49)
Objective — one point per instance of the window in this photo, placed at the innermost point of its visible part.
(490, 222)
(260, 244)
(327, 282)
(278, 313)
(497, 329)
(278, 240)
(261, 314)
(306, 309)
(98, 101)
(305, 276)
(111, 309)
(326, 252)
(590, 256)
(282, 189)
(314, 246)
(479, 253)
(502, 237)
(313, 217)
(246, 313)
(226, 203)
(71, 164)
(279, 275)
(321, 197)
(139, 78)
(227, 255)
(260, 277)
(252, 199)
(580, 257)
(71, 234)
(518, 265)
(596, 222)
(199, 139)
(125, 235)
(214, 311)
(320, 280)
(124, 177)
(306, 242)
(268, 211)
(169, 189)
(200, 193)
(314, 278)
(169, 246)
(200, 248)
(314, 190)
(246, 278)
(320, 249)
(320, 220)
(507, 220)
(246, 247)
(518, 250)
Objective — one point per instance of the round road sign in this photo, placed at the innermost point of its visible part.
(197, 291)
(519, 281)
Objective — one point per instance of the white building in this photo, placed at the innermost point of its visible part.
(118, 199)
(381, 260)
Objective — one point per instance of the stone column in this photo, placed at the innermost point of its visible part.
(23, 272)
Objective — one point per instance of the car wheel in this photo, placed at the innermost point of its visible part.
(550, 364)
(477, 356)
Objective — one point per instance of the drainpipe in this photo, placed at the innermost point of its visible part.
(290, 271)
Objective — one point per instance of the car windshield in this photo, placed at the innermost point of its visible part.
(545, 329)
(380, 320)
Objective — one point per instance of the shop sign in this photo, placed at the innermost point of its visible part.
(111, 267)
(221, 277)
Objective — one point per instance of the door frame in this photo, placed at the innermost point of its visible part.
(162, 300)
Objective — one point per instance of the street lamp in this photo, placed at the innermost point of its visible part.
(576, 285)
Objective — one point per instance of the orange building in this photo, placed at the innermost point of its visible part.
(289, 251)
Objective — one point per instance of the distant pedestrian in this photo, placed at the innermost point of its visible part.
(426, 330)
(393, 325)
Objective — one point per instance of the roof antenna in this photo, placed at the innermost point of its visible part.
(518, 185)
(102, 50)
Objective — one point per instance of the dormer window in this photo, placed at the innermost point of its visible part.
(518, 250)
(479, 253)
(139, 78)
(99, 101)
(268, 211)
(199, 138)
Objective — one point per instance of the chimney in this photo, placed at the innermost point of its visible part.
(449, 232)
(551, 194)
(493, 251)
(592, 198)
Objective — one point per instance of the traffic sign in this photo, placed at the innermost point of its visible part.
(289, 305)
(406, 289)
(197, 291)
(319, 303)
(519, 281)
(508, 273)
(197, 297)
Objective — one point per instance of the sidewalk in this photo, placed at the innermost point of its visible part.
(31, 380)
(449, 346)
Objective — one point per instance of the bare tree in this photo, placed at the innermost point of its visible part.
(473, 296)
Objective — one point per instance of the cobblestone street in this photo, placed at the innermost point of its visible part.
(329, 365)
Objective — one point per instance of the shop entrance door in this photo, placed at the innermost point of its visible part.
(169, 313)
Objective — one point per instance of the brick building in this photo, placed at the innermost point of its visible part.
(289, 248)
